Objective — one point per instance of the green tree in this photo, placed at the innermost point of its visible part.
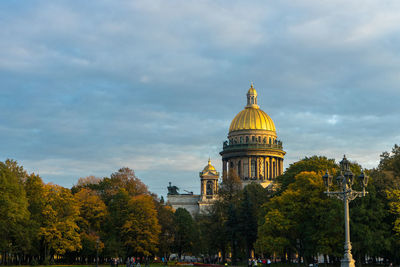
(274, 234)
(13, 209)
(229, 198)
(165, 215)
(36, 195)
(117, 216)
(394, 197)
(253, 197)
(317, 164)
(185, 232)
(115, 192)
(370, 223)
(141, 230)
(212, 231)
(382, 200)
(302, 219)
(230, 188)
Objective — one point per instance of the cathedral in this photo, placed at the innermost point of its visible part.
(252, 150)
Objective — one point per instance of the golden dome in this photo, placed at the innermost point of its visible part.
(209, 167)
(252, 90)
(252, 117)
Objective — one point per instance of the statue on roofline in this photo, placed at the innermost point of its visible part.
(172, 189)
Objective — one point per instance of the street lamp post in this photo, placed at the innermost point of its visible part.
(345, 181)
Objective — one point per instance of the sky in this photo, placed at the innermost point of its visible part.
(88, 87)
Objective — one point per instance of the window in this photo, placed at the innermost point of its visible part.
(209, 188)
(259, 139)
(247, 139)
(253, 138)
(240, 168)
(241, 140)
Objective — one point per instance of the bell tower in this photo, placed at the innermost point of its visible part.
(209, 183)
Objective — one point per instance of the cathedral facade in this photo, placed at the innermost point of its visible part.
(252, 150)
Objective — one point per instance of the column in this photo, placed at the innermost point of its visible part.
(224, 163)
(242, 167)
(279, 167)
(265, 169)
(270, 168)
(249, 159)
(257, 168)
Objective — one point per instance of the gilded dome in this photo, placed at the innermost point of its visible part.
(209, 167)
(252, 117)
(252, 90)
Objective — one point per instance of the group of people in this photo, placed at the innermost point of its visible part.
(136, 262)
(255, 262)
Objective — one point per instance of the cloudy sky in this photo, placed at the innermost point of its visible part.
(87, 87)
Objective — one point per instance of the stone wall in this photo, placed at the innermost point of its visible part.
(188, 202)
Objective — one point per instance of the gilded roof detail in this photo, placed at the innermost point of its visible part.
(252, 119)
(209, 167)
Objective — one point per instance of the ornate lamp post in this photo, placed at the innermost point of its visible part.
(345, 181)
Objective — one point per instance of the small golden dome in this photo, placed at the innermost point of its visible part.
(209, 167)
(252, 90)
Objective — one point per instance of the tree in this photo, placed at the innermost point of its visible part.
(317, 164)
(380, 206)
(165, 215)
(230, 188)
(36, 195)
(126, 178)
(92, 214)
(185, 232)
(212, 231)
(141, 230)
(394, 197)
(59, 230)
(302, 219)
(13, 209)
(118, 213)
(274, 234)
(253, 197)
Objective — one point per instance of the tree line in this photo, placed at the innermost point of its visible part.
(118, 217)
